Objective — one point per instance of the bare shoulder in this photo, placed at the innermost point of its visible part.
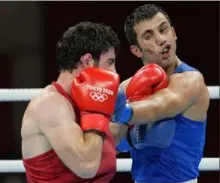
(191, 84)
(191, 81)
(189, 76)
(48, 107)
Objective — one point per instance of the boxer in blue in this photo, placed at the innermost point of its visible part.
(166, 128)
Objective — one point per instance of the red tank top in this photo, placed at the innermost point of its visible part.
(48, 168)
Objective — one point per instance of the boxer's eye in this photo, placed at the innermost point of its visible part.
(111, 61)
(163, 29)
(147, 37)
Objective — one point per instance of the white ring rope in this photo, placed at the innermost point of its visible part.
(27, 94)
(206, 164)
(123, 165)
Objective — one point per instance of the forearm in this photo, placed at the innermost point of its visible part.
(144, 112)
(86, 154)
(183, 91)
(118, 131)
(92, 149)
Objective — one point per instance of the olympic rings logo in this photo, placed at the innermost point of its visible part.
(96, 96)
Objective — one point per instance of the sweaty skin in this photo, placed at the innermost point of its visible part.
(59, 131)
(50, 123)
(186, 94)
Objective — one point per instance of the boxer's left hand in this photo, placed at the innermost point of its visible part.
(158, 134)
(123, 112)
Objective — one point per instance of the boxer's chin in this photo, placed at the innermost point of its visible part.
(167, 62)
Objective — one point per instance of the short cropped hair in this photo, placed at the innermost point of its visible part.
(84, 37)
(142, 13)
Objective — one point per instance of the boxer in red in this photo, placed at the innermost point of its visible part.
(65, 129)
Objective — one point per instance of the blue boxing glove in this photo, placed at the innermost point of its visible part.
(124, 146)
(159, 134)
(123, 112)
(135, 139)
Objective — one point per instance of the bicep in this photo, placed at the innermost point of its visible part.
(181, 93)
(64, 135)
(168, 103)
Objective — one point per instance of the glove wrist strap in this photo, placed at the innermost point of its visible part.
(126, 114)
(95, 123)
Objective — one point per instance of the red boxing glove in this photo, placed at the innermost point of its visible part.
(94, 91)
(146, 81)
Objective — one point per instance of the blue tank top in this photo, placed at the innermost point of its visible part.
(180, 161)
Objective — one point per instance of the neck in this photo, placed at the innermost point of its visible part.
(66, 77)
(169, 70)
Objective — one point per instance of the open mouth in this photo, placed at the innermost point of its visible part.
(166, 49)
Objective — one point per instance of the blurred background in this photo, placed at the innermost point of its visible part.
(28, 35)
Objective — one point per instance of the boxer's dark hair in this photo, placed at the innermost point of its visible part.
(142, 13)
(85, 37)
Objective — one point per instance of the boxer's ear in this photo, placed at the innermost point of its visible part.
(174, 33)
(136, 51)
(86, 60)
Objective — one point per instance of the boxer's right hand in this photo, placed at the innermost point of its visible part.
(94, 91)
(145, 82)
